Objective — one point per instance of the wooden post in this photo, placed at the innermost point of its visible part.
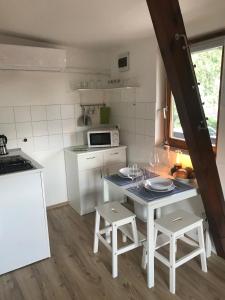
(170, 32)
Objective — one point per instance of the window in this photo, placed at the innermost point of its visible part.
(208, 59)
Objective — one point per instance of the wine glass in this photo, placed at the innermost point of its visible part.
(132, 171)
(154, 161)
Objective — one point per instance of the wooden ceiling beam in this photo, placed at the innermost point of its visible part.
(172, 39)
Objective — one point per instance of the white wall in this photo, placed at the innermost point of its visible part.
(43, 107)
(135, 109)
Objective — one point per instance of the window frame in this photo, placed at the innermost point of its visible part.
(203, 42)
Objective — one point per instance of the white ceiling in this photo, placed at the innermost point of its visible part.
(91, 23)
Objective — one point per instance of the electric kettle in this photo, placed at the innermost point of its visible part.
(3, 142)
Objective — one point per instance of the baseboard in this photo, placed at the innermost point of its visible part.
(57, 205)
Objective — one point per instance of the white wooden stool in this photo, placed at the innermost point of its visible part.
(117, 217)
(174, 226)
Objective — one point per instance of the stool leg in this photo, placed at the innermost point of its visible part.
(124, 238)
(208, 244)
(97, 226)
(202, 246)
(114, 252)
(144, 257)
(156, 235)
(107, 234)
(172, 264)
(134, 230)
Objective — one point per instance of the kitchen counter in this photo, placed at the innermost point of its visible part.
(84, 149)
(18, 152)
(23, 218)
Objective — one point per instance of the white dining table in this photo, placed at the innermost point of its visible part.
(151, 206)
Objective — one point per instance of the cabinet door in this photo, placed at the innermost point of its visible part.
(90, 161)
(23, 222)
(115, 156)
(91, 189)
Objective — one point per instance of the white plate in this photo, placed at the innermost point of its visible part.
(160, 184)
(149, 188)
(124, 172)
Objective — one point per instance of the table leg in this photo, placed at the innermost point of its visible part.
(150, 247)
(105, 191)
(106, 199)
(208, 244)
(158, 213)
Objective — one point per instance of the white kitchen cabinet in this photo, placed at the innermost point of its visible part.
(23, 221)
(85, 171)
(90, 183)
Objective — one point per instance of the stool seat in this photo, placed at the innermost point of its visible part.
(113, 212)
(177, 221)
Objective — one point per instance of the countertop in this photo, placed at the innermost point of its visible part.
(82, 149)
(18, 151)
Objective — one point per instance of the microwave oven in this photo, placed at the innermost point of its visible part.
(103, 137)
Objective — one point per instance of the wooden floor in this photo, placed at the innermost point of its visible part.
(74, 272)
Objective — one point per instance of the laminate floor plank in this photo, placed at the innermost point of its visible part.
(75, 273)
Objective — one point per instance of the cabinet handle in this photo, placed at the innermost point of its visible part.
(90, 157)
(101, 173)
(115, 153)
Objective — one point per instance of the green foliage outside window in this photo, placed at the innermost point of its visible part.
(208, 73)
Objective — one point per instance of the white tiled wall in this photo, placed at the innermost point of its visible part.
(46, 127)
(136, 121)
(135, 109)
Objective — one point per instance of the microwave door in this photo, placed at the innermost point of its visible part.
(100, 139)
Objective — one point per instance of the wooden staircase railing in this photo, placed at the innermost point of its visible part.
(171, 35)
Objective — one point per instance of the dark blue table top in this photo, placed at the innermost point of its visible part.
(148, 196)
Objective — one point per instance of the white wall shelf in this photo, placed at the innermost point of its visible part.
(106, 88)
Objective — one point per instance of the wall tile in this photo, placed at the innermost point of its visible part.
(149, 128)
(140, 110)
(140, 126)
(28, 146)
(115, 96)
(69, 139)
(12, 144)
(41, 143)
(53, 112)
(54, 127)
(131, 108)
(22, 114)
(40, 128)
(128, 95)
(7, 115)
(67, 111)
(81, 138)
(24, 130)
(91, 97)
(129, 124)
(8, 130)
(145, 110)
(150, 111)
(38, 113)
(69, 126)
(56, 141)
